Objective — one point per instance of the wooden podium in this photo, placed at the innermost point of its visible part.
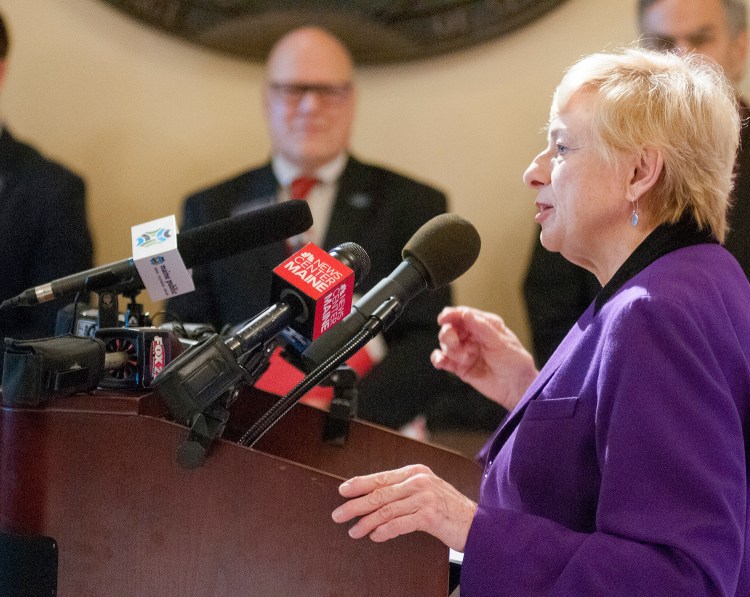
(98, 473)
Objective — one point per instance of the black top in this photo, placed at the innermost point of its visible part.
(664, 239)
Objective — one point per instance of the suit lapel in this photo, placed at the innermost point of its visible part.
(11, 153)
(251, 268)
(352, 209)
(556, 360)
(256, 190)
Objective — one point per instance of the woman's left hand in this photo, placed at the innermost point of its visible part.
(408, 499)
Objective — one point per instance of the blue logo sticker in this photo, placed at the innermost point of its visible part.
(154, 237)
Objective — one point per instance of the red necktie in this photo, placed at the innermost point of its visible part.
(301, 187)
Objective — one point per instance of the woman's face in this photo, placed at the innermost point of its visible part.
(582, 202)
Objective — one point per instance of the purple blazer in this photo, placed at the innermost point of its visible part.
(624, 469)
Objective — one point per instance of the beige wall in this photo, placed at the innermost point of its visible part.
(147, 118)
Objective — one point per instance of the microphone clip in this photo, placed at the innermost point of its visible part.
(200, 385)
(343, 406)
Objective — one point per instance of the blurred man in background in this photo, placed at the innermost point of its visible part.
(309, 100)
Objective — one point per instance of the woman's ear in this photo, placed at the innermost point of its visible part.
(648, 167)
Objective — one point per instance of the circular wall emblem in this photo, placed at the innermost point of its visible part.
(376, 31)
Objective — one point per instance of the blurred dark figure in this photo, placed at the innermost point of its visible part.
(43, 230)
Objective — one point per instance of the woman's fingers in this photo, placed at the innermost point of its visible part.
(410, 499)
(366, 483)
(391, 517)
(374, 491)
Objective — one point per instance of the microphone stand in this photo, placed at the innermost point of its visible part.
(208, 425)
(343, 406)
(109, 286)
(381, 317)
(108, 311)
(135, 316)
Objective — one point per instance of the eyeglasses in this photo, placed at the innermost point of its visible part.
(692, 42)
(293, 93)
(658, 44)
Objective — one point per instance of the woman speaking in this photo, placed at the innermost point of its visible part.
(623, 467)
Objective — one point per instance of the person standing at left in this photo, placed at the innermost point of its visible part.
(43, 229)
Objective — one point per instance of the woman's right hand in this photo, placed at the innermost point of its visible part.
(477, 347)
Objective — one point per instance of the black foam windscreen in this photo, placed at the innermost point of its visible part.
(233, 235)
(446, 247)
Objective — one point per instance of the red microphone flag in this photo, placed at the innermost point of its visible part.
(326, 284)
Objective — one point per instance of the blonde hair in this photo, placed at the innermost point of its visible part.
(682, 106)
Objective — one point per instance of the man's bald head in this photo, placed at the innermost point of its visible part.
(309, 97)
(311, 49)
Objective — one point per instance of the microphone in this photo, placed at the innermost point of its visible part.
(313, 291)
(443, 249)
(438, 253)
(117, 358)
(196, 246)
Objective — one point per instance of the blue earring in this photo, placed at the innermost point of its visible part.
(634, 216)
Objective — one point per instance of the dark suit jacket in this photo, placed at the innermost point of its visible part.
(558, 292)
(375, 208)
(43, 233)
